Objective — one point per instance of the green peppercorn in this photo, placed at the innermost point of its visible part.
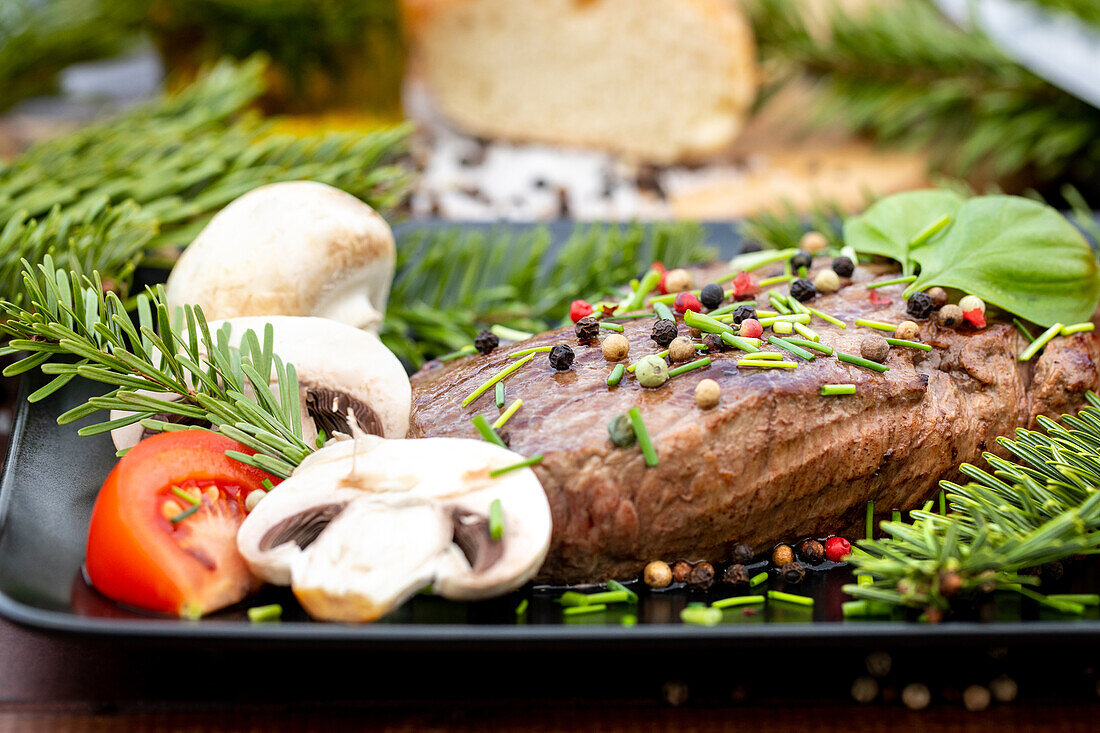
(621, 431)
(651, 371)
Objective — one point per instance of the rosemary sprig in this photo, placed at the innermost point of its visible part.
(1042, 506)
(164, 364)
(451, 282)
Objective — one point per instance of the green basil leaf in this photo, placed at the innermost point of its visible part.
(891, 225)
(1017, 254)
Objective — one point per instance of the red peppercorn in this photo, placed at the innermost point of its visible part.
(975, 317)
(687, 302)
(745, 284)
(751, 328)
(578, 309)
(837, 549)
(659, 267)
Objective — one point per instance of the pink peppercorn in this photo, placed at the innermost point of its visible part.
(579, 309)
(837, 549)
(751, 328)
(687, 302)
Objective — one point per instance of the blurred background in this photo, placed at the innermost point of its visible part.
(588, 109)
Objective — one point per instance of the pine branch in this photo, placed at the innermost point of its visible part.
(159, 366)
(906, 75)
(1039, 507)
(450, 283)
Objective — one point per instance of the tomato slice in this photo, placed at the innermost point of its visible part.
(163, 535)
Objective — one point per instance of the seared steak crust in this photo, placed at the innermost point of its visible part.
(775, 461)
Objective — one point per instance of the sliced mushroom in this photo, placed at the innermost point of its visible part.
(297, 248)
(340, 370)
(381, 519)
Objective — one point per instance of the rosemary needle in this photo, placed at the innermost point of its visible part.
(507, 414)
(487, 432)
(616, 375)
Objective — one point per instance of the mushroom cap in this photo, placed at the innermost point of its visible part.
(364, 524)
(298, 248)
(329, 357)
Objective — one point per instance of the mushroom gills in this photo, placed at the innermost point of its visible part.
(471, 535)
(301, 528)
(329, 410)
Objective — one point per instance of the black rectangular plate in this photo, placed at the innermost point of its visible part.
(50, 482)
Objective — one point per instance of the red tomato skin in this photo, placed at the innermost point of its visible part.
(133, 556)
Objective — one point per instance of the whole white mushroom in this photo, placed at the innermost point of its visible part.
(298, 248)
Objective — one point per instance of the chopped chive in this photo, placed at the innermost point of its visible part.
(895, 515)
(697, 364)
(757, 579)
(909, 344)
(643, 436)
(663, 312)
(609, 597)
(808, 332)
(739, 342)
(1085, 599)
(776, 595)
(1040, 342)
(1023, 330)
(792, 318)
(266, 483)
(853, 608)
(628, 619)
(516, 466)
(828, 390)
(892, 281)
(630, 317)
(764, 313)
(521, 609)
(500, 394)
(864, 579)
(930, 231)
(826, 350)
(464, 351)
(187, 497)
(927, 507)
(510, 334)
(827, 318)
(796, 306)
(581, 610)
(532, 350)
(738, 601)
(321, 438)
(1077, 328)
(487, 433)
(507, 414)
(185, 513)
(632, 597)
(770, 355)
(616, 375)
(573, 598)
(788, 346)
(496, 520)
(705, 323)
(764, 364)
(783, 327)
(634, 366)
(611, 327)
(1064, 606)
(943, 503)
(750, 261)
(777, 280)
(869, 520)
(802, 271)
(265, 614)
(777, 303)
(701, 616)
(493, 380)
(879, 325)
(860, 361)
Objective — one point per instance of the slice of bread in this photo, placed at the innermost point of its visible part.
(654, 80)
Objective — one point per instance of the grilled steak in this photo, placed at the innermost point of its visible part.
(775, 461)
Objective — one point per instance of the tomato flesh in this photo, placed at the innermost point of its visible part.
(151, 548)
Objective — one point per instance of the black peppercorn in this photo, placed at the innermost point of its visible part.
(621, 431)
(801, 258)
(701, 576)
(711, 296)
(741, 554)
(920, 305)
(793, 572)
(743, 312)
(803, 290)
(587, 329)
(713, 342)
(561, 357)
(844, 266)
(486, 341)
(664, 332)
(1052, 572)
(736, 575)
(811, 551)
